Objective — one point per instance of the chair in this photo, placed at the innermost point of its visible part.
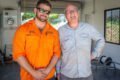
(104, 62)
(107, 63)
(2, 57)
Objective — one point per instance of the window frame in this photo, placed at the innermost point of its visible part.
(105, 15)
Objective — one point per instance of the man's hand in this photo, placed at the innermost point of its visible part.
(50, 66)
(92, 57)
(39, 75)
(36, 74)
(45, 71)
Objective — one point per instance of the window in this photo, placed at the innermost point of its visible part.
(112, 25)
(26, 16)
(56, 20)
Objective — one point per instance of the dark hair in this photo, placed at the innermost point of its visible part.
(44, 2)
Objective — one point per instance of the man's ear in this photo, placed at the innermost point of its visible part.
(35, 10)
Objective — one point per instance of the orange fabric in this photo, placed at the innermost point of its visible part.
(38, 48)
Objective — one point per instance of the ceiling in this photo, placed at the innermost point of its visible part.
(28, 5)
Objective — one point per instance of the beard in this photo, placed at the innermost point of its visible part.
(42, 18)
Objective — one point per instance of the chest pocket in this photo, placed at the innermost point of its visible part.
(84, 39)
(84, 36)
(67, 43)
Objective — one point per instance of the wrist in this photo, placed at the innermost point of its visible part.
(48, 70)
(33, 72)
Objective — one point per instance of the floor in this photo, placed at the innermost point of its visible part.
(10, 71)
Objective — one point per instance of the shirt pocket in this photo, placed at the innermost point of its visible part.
(67, 44)
(84, 35)
(84, 39)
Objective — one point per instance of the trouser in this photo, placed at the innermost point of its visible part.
(63, 77)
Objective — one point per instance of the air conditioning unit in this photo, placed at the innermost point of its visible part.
(9, 18)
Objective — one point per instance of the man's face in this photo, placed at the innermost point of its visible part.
(72, 14)
(42, 12)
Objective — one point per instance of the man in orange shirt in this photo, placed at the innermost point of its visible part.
(36, 45)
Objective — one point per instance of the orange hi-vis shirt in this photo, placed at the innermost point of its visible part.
(37, 47)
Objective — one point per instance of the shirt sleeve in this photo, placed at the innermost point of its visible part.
(19, 43)
(99, 42)
(56, 47)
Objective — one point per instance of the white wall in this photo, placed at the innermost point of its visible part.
(7, 34)
(96, 18)
(0, 39)
(9, 4)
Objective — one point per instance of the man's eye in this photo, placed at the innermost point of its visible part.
(42, 10)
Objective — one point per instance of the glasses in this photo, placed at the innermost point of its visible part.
(41, 10)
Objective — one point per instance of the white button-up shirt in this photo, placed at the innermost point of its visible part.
(76, 49)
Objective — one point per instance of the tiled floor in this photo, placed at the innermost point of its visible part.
(11, 72)
(102, 74)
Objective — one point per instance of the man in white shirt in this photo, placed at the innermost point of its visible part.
(76, 40)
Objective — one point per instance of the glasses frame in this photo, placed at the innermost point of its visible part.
(41, 10)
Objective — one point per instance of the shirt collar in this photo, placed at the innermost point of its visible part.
(37, 29)
(79, 25)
